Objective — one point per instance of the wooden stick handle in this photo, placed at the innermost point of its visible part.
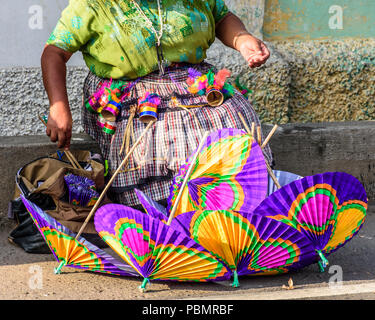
(113, 178)
(272, 175)
(69, 155)
(259, 135)
(71, 160)
(252, 129)
(68, 152)
(244, 122)
(269, 136)
(42, 120)
(269, 169)
(201, 144)
(128, 130)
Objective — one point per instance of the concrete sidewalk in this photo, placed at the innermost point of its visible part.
(26, 276)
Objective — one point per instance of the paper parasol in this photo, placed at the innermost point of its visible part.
(154, 249)
(71, 252)
(283, 178)
(248, 243)
(329, 208)
(151, 207)
(81, 190)
(228, 174)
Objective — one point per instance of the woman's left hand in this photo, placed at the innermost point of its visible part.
(254, 51)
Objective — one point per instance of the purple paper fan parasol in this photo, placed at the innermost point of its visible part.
(71, 252)
(81, 190)
(152, 208)
(154, 249)
(229, 174)
(329, 208)
(248, 243)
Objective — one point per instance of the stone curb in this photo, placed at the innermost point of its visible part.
(304, 149)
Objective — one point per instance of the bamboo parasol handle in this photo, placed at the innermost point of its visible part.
(114, 177)
(259, 135)
(269, 136)
(252, 131)
(74, 162)
(269, 169)
(174, 209)
(245, 124)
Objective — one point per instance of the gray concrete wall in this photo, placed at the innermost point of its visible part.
(25, 26)
(303, 81)
(22, 98)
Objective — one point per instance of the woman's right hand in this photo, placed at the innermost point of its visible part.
(59, 125)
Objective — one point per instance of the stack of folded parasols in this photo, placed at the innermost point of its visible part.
(225, 218)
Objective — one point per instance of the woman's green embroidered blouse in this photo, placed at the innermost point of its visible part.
(116, 43)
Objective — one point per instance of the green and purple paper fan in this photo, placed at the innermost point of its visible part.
(71, 252)
(229, 174)
(81, 190)
(157, 251)
(248, 244)
(329, 209)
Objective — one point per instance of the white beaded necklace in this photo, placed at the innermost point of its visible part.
(158, 34)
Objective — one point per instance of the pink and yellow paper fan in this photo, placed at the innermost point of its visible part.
(248, 244)
(329, 209)
(229, 174)
(155, 250)
(71, 252)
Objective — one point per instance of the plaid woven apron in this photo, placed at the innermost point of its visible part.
(173, 138)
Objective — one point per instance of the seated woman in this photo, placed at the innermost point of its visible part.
(146, 47)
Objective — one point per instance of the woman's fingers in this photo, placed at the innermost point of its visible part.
(60, 125)
(61, 139)
(68, 137)
(265, 50)
(253, 50)
(54, 135)
(258, 56)
(64, 138)
(255, 64)
(256, 61)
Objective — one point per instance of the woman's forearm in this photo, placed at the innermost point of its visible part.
(232, 32)
(54, 76)
(59, 124)
(229, 29)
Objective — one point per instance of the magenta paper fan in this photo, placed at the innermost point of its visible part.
(154, 249)
(151, 207)
(71, 252)
(329, 209)
(248, 244)
(229, 174)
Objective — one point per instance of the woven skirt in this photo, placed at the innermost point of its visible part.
(174, 136)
